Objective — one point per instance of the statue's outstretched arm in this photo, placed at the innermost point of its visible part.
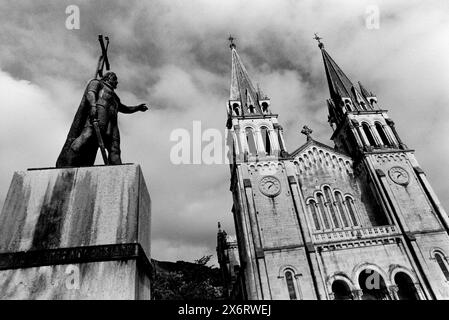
(131, 109)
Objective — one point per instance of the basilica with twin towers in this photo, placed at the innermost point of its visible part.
(356, 220)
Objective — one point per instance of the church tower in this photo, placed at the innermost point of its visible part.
(355, 221)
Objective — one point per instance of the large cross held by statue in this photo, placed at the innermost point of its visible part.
(103, 59)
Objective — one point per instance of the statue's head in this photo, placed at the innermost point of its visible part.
(111, 79)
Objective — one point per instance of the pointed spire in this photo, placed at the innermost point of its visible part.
(340, 86)
(369, 96)
(363, 90)
(242, 88)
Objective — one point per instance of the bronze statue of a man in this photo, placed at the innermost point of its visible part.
(98, 110)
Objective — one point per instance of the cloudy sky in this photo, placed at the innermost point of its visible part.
(175, 56)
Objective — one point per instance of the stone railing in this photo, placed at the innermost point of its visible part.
(354, 234)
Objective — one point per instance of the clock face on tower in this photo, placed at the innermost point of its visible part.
(270, 186)
(399, 175)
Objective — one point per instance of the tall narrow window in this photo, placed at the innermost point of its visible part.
(290, 284)
(406, 287)
(368, 134)
(351, 210)
(264, 107)
(314, 214)
(251, 142)
(363, 105)
(348, 104)
(382, 135)
(323, 211)
(339, 200)
(251, 109)
(330, 205)
(236, 108)
(440, 260)
(266, 139)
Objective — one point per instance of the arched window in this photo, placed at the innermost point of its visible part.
(251, 141)
(236, 109)
(368, 134)
(351, 210)
(441, 260)
(347, 103)
(251, 108)
(330, 205)
(266, 139)
(264, 107)
(320, 200)
(373, 286)
(341, 290)
(290, 284)
(363, 105)
(382, 135)
(341, 208)
(314, 214)
(406, 287)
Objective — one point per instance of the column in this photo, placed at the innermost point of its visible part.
(419, 291)
(359, 134)
(357, 294)
(242, 138)
(298, 285)
(432, 197)
(393, 129)
(259, 143)
(376, 135)
(393, 292)
(274, 141)
(251, 270)
(389, 135)
(280, 132)
(257, 242)
(236, 145)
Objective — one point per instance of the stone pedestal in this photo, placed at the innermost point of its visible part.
(76, 233)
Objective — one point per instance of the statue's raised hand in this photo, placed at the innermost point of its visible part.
(142, 107)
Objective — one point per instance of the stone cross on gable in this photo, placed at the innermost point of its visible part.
(307, 131)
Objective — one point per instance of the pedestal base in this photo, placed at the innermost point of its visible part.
(76, 233)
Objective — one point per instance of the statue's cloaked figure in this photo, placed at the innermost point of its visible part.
(99, 105)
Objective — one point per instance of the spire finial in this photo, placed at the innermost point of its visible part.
(307, 131)
(219, 226)
(317, 38)
(231, 40)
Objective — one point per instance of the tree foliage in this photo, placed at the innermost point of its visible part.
(186, 281)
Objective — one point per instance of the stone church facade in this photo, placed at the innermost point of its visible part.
(355, 221)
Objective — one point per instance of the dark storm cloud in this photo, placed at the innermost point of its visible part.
(175, 55)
